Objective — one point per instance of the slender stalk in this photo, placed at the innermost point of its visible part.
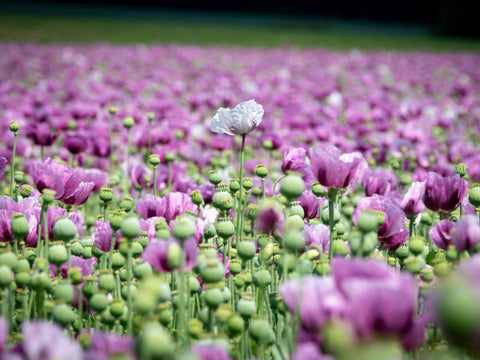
(110, 140)
(129, 292)
(80, 304)
(332, 195)
(411, 226)
(12, 167)
(26, 310)
(112, 247)
(149, 136)
(155, 178)
(128, 159)
(45, 230)
(169, 176)
(240, 193)
(69, 257)
(275, 185)
(181, 301)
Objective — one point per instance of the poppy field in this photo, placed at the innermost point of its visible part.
(208, 202)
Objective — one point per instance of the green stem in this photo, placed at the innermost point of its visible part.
(129, 292)
(15, 245)
(26, 310)
(69, 257)
(275, 185)
(45, 230)
(80, 305)
(42, 152)
(240, 194)
(332, 195)
(411, 224)
(39, 232)
(182, 306)
(128, 159)
(150, 137)
(105, 211)
(12, 167)
(169, 176)
(154, 178)
(263, 188)
(112, 247)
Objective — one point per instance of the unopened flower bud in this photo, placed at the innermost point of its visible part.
(461, 169)
(235, 325)
(6, 276)
(169, 156)
(474, 196)
(151, 116)
(318, 190)
(25, 191)
(339, 247)
(247, 183)
(112, 110)
(14, 127)
(197, 197)
(128, 122)
(261, 171)
(267, 144)
(292, 186)
(234, 185)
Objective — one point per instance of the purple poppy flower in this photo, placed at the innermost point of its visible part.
(156, 254)
(444, 193)
(105, 346)
(140, 176)
(295, 159)
(210, 351)
(336, 170)
(379, 298)
(3, 166)
(176, 203)
(392, 233)
(269, 216)
(315, 299)
(48, 174)
(310, 204)
(75, 143)
(466, 234)
(150, 206)
(318, 236)
(85, 266)
(3, 334)
(412, 203)
(378, 182)
(97, 176)
(45, 340)
(102, 235)
(441, 234)
(41, 134)
(309, 351)
(77, 190)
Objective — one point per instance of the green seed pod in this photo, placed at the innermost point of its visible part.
(415, 264)
(367, 222)
(22, 278)
(323, 268)
(292, 186)
(174, 256)
(239, 281)
(235, 325)
(474, 196)
(184, 229)
(87, 251)
(427, 275)
(234, 185)
(48, 196)
(116, 219)
(295, 209)
(224, 228)
(339, 247)
(26, 191)
(39, 281)
(6, 276)
(63, 292)
(261, 332)
(416, 245)
(106, 280)
(124, 291)
(247, 183)
(99, 301)
(63, 314)
(64, 230)
(246, 307)
(76, 248)
(118, 260)
(14, 127)
(213, 271)
(106, 194)
(235, 266)
(213, 297)
(461, 169)
(215, 177)
(293, 240)
(117, 308)
(154, 159)
(155, 343)
(325, 217)
(137, 249)
(195, 328)
(142, 269)
(9, 259)
(294, 222)
(262, 278)
(75, 276)
(246, 249)
(89, 286)
(57, 254)
(128, 122)
(130, 227)
(340, 228)
(19, 226)
(267, 144)
(261, 171)
(127, 204)
(197, 197)
(318, 190)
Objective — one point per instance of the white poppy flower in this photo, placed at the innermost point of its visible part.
(242, 119)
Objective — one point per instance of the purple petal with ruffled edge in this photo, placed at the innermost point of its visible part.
(441, 234)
